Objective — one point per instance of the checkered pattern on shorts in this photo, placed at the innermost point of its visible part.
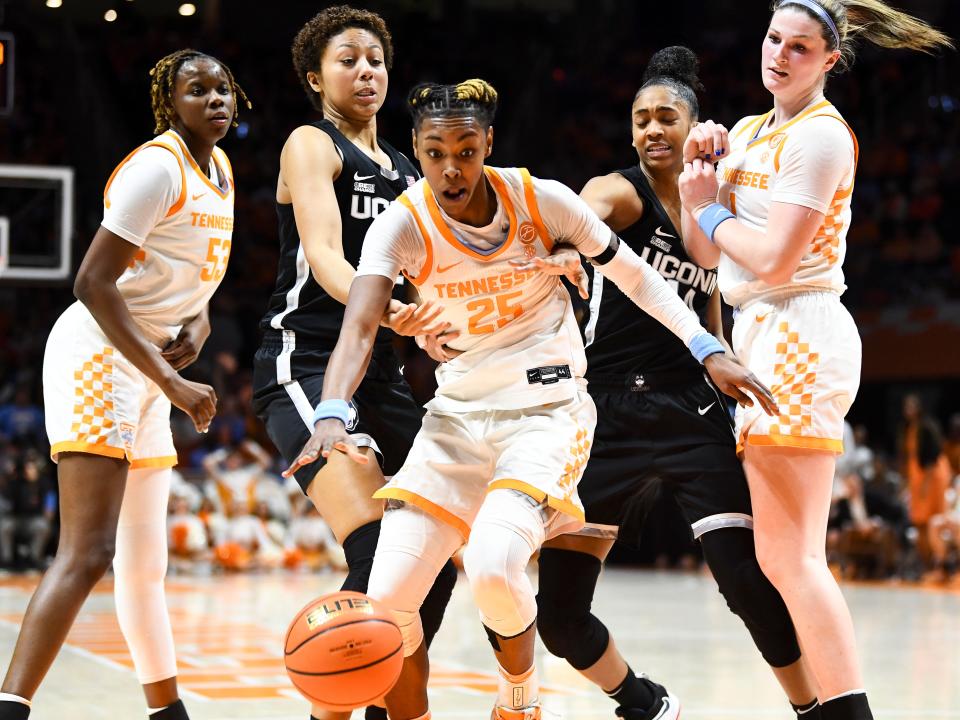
(796, 370)
(93, 411)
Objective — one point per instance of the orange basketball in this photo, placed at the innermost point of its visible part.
(343, 651)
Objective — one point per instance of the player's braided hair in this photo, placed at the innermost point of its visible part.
(872, 20)
(164, 76)
(675, 67)
(311, 41)
(474, 98)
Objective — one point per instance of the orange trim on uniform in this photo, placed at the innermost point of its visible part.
(101, 449)
(183, 176)
(794, 441)
(447, 234)
(203, 176)
(782, 128)
(166, 461)
(428, 244)
(431, 508)
(564, 506)
(226, 162)
(751, 125)
(530, 196)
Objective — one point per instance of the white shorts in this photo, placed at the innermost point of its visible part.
(97, 402)
(457, 458)
(804, 347)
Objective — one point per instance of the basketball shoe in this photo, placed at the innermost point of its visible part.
(666, 706)
(502, 712)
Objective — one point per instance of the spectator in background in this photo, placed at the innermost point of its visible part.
(32, 508)
(22, 420)
(920, 451)
(234, 473)
(951, 445)
(945, 538)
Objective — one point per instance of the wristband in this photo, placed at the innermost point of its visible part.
(711, 218)
(339, 409)
(704, 345)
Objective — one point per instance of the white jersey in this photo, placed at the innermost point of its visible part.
(521, 343)
(809, 161)
(160, 200)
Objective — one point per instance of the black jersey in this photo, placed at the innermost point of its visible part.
(621, 338)
(299, 307)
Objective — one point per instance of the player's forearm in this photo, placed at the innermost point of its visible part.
(698, 246)
(754, 251)
(108, 308)
(332, 272)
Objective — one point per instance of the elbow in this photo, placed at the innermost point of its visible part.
(82, 287)
(775, 272)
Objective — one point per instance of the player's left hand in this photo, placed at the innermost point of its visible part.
(183, 351)
(564, 260)
(735, 380)
(411, 319)
(707, 140)
(328, 435)
(698, 186)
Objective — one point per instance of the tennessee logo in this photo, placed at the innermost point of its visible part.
(765, 156)
(527, 233)
(126, 434)
(442, 269)
(776, 139)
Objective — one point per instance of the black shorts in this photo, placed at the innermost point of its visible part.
(386, 417)
(673, 435)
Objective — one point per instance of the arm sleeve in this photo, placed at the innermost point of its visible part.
(392, 244)
(141, 194)
(569, 219)
(816, 161)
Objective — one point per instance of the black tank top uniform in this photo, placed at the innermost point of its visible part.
(659, 419)
(302, 324)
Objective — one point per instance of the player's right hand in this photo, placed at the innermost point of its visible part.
(411, 319)
(197, 400)
(329, 434)
(436, 345)
(708, 141)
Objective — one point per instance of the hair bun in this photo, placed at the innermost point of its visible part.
(677, 63)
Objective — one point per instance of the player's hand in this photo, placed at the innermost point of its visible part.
(436, 345)
(735, 380)
(411, 319)
(197, 400)
(564, 260)
(328, 435)
(707, 140)
(698, 186)
(183, 351)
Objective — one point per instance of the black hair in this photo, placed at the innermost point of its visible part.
(475, 98)
(675, 67)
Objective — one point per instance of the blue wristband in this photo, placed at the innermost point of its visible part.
(711, 218)
(704, 345)
(339, 409)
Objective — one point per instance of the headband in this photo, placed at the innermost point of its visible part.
(819, 11)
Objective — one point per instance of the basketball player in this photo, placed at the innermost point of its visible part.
(496, 463)
(336, 176)
(775, 215)
(110, 376)
(659, 421)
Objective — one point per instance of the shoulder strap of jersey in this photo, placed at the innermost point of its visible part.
(530, 197)
(424, 273)
(224, 162)
(156, 142)
(196, 168)
(751, 125)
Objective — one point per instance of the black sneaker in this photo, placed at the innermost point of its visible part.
(666, 707)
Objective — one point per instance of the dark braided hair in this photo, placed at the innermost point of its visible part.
(676, 68)
(474, 98)
(164, 75)
(311, 41)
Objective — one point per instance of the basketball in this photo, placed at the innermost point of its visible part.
(343, 651)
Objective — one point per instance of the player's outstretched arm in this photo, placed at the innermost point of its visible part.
(368, 299)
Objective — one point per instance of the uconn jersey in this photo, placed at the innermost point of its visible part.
(300, 312)
(620, 337)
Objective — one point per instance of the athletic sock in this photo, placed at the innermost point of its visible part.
(375, 712)
(633, 693)
(14, 707)
(849, 706)
(358, 549)
(176, 711)
(807, 711)
(518, 691)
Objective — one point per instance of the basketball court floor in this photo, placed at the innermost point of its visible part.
(675, 627)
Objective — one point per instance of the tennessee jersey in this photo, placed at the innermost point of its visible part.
(160, 200)
(808, 161)
(520, 341)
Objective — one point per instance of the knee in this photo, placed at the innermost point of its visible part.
(89, 563)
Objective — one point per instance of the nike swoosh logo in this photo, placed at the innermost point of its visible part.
(358, 177)
(659, 231)
(664, 710)
(762, 316)
(197, 196)
(444, 269)
(704, 411)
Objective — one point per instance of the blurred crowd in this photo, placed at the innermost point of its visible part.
(565, 87)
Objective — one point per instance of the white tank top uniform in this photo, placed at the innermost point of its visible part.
(160, 200)
(797, 337)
